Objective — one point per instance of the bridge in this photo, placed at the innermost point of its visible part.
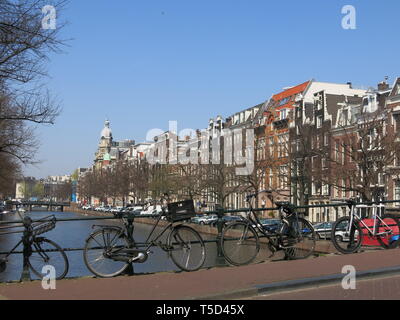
(215, 282)
(50, 205)
(254, 281)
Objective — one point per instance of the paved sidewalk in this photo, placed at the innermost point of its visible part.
(216, 282)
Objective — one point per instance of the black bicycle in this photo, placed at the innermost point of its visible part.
(111, 249)
(241, 241)
(39, 250)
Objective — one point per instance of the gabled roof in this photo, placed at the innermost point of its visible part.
(394, 88)
(290, 92)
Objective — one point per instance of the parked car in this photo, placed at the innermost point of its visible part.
(196, 218)
(152, 210)
(205, 219)
(323, 230)
(341, 234)
(270, 225)
(208, 220)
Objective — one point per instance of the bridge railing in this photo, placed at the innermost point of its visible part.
(7, 227)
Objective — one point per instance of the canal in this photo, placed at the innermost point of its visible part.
(72, 234)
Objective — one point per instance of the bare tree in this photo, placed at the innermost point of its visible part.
(24, 49)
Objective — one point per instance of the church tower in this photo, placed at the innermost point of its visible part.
(102, 156)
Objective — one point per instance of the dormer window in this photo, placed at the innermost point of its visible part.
(283, 101)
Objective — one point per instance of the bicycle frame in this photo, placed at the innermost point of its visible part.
(150, 240)
(355, 217)
(253, 219)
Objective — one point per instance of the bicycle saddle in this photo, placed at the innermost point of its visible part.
(286, 206)
(351, 202)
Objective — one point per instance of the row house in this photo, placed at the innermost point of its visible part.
(279, 127)
(339, 147)
(393, 171)
(272, 132)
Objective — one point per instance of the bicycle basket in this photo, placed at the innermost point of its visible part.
(179, 211)
(44, 227)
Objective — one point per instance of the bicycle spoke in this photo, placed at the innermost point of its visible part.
(186, 248)
(98, 258)
(240, 244)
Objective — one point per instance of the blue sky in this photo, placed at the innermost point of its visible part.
(143, 63)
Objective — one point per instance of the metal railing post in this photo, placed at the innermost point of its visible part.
(27, 250)
(220, 226)
(129, 229)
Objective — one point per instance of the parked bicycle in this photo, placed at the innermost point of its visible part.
(111, 249)
(241, 240)
(347, 232)
(39, 250)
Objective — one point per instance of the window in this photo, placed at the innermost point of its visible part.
(396, 120)
(397, 191)
(318, 101)
(323, 163)
(283, 114)
(282, 176)
(319, 121)
(298, 112)
(271, 146)
(283, 101)
(326, 139)
(325, 190)
(313, 161)
(337, 150)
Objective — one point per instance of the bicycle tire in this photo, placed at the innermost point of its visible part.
(339, 236)
(306, 237)
(112, 267)
(244, 252)
(40, 257)
(393, 223)
(186, 248)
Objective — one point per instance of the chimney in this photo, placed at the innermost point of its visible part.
(350, 85)
(382, 86)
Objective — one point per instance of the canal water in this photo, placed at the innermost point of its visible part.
(72, 234)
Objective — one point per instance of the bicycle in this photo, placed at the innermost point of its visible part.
(347, 234)
(109, 250)
(240, 241)
(39, 251)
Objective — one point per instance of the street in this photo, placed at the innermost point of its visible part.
(377, 288)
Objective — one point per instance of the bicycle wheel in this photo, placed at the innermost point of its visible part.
(48, 253)
(96, 254)
(304, 241)
(240, 243)
(345, 240)
(186, 248)
(390, 226)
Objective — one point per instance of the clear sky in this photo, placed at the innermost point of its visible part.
(142, 63)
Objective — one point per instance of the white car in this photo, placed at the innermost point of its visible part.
(152, 210)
